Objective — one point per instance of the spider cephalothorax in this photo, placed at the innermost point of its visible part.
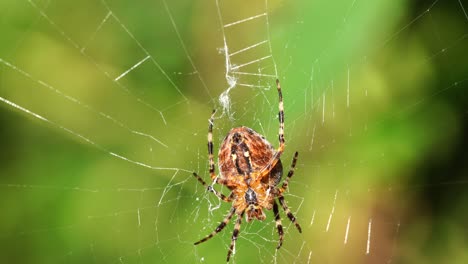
(251, 168)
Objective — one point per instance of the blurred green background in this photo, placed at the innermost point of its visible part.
(104, 112)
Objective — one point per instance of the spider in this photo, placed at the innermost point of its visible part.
(251, 168)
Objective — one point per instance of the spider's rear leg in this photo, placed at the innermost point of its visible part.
(274, 160)
(210, 146)
(280, 117)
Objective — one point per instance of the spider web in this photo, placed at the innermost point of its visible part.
(104, 118)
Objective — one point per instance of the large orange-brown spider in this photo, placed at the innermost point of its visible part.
(251, 168)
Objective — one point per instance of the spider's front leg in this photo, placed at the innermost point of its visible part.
(279, 226)
(289, 214)
(280, 192)
(284, 187)
(235, 234)
(219, 228)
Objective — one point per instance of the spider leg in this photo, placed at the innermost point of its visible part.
(220, 226)
(211, 189)
(278, 224)
(280, 117)
(274, 160)
(288, 213)
(290, 173)
(210, 146)
(235, 234)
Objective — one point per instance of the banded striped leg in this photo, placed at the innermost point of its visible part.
(290, 173)
(210, 146)
(280, 117)
(266, 170)
(219, 228)
(235, 234)
(278, 224)
(211, 189)
(288, 213)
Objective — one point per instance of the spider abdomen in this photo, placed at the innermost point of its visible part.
(244, 152)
